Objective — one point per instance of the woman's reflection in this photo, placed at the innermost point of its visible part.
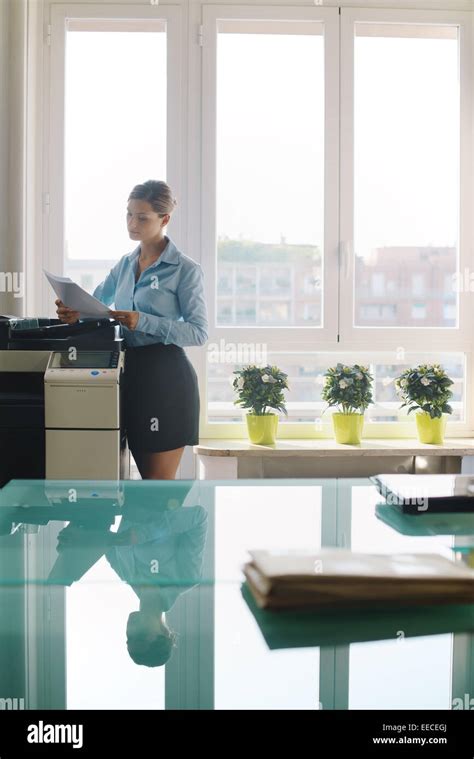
(160, 559)
(158, 550)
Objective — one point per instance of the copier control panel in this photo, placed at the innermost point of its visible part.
(85, 366)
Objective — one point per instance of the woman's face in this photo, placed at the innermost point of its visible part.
(143, 222)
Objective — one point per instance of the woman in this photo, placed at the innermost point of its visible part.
(159, 299)
(158, 550)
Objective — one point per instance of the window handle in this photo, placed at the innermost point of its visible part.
(345, 257)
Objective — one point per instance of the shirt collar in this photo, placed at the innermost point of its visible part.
(170, 254)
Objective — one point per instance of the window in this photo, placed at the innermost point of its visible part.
(270, 155)
(246, 280)
(406, 161)
(379, 312)
(449, 312)
(311, 312)
(109, 68)
(245, 312)
(404, 85)
(311, 284)
(225, 284)
(378, 283)
(86, 281)
(324, 181)
(418, 284)
(225, 311)
(306, 379)
(418, 311)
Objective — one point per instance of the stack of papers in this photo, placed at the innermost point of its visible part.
(73, 296)
(337, 577)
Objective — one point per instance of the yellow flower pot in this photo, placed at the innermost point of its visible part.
(348, 428)
(262, 429)
(430, 430)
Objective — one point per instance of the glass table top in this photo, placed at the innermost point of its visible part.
(130, 595)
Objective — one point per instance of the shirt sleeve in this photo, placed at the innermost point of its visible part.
(192, 543)
(105, 292)
(193, 328)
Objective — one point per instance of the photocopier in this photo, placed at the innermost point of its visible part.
(60, 400)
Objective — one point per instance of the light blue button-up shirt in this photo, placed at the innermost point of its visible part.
(169, 296)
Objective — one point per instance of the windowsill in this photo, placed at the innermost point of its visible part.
(329, 447)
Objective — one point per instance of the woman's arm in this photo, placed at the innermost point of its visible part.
(192, 330)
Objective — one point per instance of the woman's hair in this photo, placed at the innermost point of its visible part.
(153, 653)
(157, 194)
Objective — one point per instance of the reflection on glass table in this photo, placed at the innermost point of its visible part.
(77, 560)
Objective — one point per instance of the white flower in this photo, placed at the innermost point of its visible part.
(267, 378)
(359, 375)
(425, 381)
(343, 383)
(240, 383)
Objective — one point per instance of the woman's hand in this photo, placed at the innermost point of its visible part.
(65, 314)
(126, 538)
(74, 535)
(127, 318)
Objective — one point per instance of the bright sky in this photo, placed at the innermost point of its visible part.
(115, 134)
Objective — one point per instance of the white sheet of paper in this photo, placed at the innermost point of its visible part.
(75, 297)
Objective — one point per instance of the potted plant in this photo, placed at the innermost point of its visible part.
(425, 389)
(261, 389)
(349, 388)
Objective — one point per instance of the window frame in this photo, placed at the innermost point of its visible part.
(444, 338)
(192, 37)
(212, 14)
(338, 267)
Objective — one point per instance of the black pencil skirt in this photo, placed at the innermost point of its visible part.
(161, 399)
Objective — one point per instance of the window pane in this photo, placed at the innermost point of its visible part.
(406, 175)
(305, 377)
(115, 138)
(270, 175)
